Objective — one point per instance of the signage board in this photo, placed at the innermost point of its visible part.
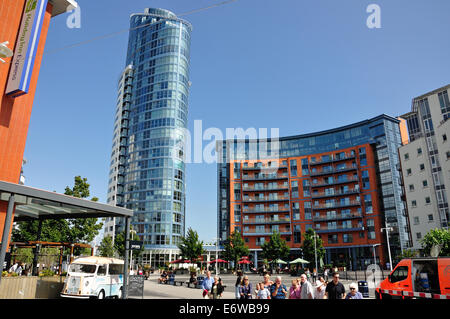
(26, 47)
(136, 245)
(136, 286)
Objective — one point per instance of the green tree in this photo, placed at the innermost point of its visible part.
(63, 230)
(106, 248)
(235, 248)
(407, 253)
(308, 247)
(190, 246)
(275, 248)
(439, 237)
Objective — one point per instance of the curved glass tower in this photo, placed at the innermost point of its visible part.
(148, 147)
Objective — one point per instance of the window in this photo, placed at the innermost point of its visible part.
(399, 274)
(332, 239)
(348, 238)
(422, 167)
(411, 188)
(419, 151)
(427, 200)
(430, 217)
(365, 179)
(406, 156)
(297, 234)
(419, 235)
(293, 167)
(115, 269)
(444, 138)
(101, 270)
(416, 220)
(408, 172)
(425, 183)
(413, 203)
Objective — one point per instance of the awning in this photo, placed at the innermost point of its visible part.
(32, 203)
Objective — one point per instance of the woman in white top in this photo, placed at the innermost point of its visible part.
(321, 285)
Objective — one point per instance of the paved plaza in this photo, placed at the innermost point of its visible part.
(154, 290)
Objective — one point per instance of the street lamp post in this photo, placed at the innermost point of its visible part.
(131, 251)
(389, 247)
(315, 249)
(374, 256)
(217, 270)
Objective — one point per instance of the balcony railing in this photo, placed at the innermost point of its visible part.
(264, 199)
(278, 210)
(332, 159)
(337, 205)
(338, 229)
(266, 221)
(266, 177)
(335, 170)
(335, 182)
(265, 188)
(265, 232)
(336, 193)
(257, 168)
(337, 217)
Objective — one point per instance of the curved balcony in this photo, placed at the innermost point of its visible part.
(337, 229)
(335, 194)
(263, 168)
(264, 199)
(267, 221)
(265, 189)
(337, 217)
(265, 178)
(338, 205)
(335, 170)
(333, 159)
(336, 182)
(254, 232)
(253, 211)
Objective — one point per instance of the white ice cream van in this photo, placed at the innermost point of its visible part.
(94, 277)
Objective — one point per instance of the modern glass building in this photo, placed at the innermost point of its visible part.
(147, 168)
(343, 183)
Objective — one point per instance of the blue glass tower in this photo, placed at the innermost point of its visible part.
(147, 167)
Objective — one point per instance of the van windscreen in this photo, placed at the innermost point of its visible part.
(86, 269)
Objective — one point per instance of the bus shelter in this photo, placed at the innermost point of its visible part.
(27, 203)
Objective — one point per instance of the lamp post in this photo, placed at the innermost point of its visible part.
(389, 247)
(374, 256)
(315, 249)
(131, 251)
(217, 239)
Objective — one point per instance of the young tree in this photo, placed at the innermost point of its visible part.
(434, 237)
(63, 230)
(119, 244)
(235, 248)
(190, 246)
(106, 248)
(308, 247)
(275, 248)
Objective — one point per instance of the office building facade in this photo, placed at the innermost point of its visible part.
(425, 163)
(343, 183)
(147, 169)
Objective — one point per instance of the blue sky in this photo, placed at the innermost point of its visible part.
(301, 66)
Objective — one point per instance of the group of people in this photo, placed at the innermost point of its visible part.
(19, 269)
(301, 288)
(212, 287)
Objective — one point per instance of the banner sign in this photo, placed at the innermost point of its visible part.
(136, 245)
(26, 47)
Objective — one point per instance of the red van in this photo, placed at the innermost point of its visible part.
(417, 278)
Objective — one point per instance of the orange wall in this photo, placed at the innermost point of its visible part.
(15, 112)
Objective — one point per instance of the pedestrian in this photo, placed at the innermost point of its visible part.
(335, 289)
(314, 275)
(216, 288)
(307, 291)
(278, 290)
(13, 268)
(321, 285)
(246, 289)
(308, 274)
(263, 292)
(207, 284)
(238, 284)
(295, 290)
(267, 282)
(353, 294)
(325, 274)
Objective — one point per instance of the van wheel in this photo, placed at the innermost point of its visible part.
(101, 294)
